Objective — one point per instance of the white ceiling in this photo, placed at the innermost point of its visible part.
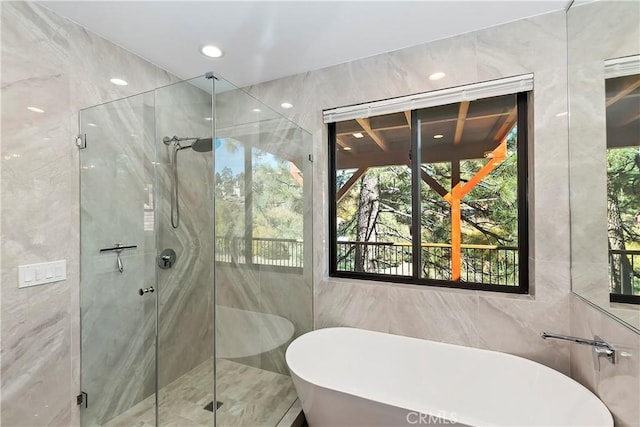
(265, 40)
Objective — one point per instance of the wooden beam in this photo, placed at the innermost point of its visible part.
(462, 117)
(372, 160)
(507, 125)
(430, 154)
(456, 238)
(346, 149)
(407, 116)
(623, 92)
(373, 134)
(496, 157)
(347, 185)
(458, 192)
(435, 185)
(425, 123)
(631, 118)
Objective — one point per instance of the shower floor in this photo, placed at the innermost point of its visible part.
(249, 396)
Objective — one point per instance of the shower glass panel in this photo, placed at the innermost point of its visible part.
(263, 271)
(118, 326)
(196, 257)
(185, 291)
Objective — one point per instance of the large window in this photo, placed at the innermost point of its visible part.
(433, 196)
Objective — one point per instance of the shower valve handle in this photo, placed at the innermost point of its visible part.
(166, 259)
(143, 291)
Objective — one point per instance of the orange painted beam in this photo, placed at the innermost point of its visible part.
(455, 197)
(456, 235)
(496, 157)
(295, 173)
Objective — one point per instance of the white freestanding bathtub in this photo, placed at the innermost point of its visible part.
(354, 377)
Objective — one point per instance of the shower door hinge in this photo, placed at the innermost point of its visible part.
(82, 399)
(81, 141)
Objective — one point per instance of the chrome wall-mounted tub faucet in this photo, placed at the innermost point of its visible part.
(601, 348)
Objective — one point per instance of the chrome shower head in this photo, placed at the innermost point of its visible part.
(203, 145)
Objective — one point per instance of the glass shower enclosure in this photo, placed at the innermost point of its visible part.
(195, 257)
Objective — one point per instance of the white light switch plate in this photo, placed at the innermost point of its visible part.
(39, 274)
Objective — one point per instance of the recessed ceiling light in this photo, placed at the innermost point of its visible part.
(93, 125)
(208, 119)
(211, 51)
(438, 136)
(358, 135)
(119, 82)
(564, 113)
(256, 110)
(437, 76)
(347, 148)
(35, 109)
(286, 105)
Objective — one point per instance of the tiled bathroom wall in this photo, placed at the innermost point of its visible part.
(53, 64)
(510, 323)
(185, 291)
(617, 385)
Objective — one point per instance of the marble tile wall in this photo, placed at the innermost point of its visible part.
(56, 65)
(52, 63)
(185, 292)
(510, 323)
(617, 385)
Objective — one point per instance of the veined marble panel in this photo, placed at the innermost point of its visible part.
(53, 64)
(617, 385)
(249, 396)
(185, 291)
(536, 45)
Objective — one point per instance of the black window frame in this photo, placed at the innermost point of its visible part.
(523, 105)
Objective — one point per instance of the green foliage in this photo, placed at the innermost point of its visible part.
(623, 191)
(276, 197)
(623, 175)
(489, 210)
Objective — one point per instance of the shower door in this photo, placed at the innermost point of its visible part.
(147, 323)
(118, 274)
